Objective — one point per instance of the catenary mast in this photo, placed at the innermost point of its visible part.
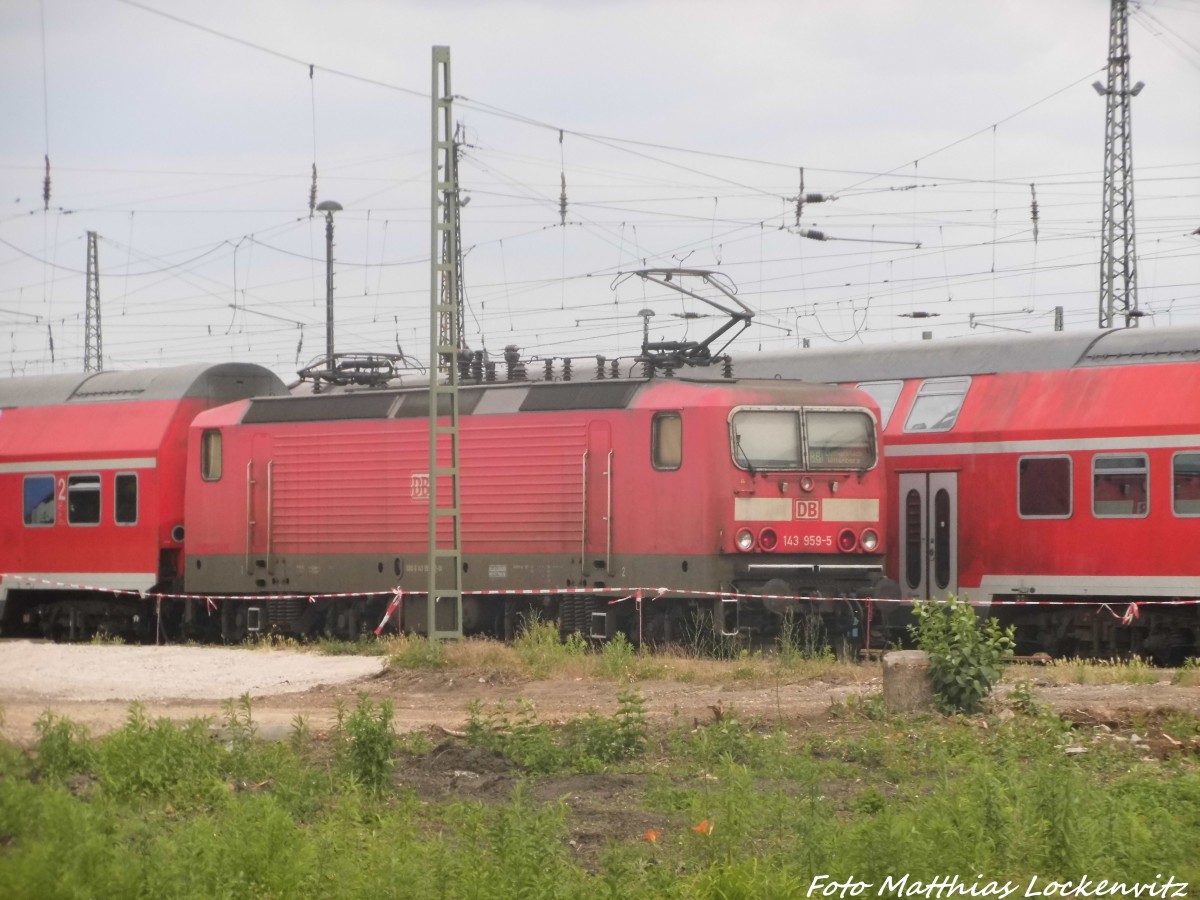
(1118, 257)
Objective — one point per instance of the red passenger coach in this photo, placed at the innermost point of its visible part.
(91, 489)
(1059, 471)
(566, 487)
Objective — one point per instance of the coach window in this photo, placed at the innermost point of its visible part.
(1185, 478)
(83, 499)
(39, 500)
(1120, 486)
(666, 441)
(885, 393)
(127, 498)
(1044, 487)
(937, 404)
(210, 455)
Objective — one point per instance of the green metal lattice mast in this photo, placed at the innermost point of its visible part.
(444, 602)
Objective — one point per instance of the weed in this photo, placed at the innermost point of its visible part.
(301, 736)
(542, 650)
(239, 723)
(1189, 673)
(152, 760)
(595, 741)
(366, 743)
(1021, 699)
(803, 639)
(1105, 671)
(63, 747)
(517, 735)
(585, 744)
(417, 652)
(617, 656)
(103, 638)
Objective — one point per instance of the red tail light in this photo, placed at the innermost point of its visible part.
(847, 540)
(767, 539)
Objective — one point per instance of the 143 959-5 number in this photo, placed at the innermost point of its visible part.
(807, 541)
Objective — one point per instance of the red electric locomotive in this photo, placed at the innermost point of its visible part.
(751, 486)
(91, 488)
(1058, 468)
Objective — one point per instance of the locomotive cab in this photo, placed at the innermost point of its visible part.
(806, 520)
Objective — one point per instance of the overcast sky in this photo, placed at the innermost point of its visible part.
(684, 127)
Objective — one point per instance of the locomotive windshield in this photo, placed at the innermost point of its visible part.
(802, 439)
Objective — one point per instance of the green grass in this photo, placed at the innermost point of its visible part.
(597, 806)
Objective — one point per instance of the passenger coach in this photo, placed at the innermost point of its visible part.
(1058, 467)
(91, 491)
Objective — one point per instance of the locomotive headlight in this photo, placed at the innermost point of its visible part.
(847, 540)
(767, 539)
(869, 540)
(806, 484)
(745, 540)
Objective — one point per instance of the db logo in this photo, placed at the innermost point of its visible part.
(808, 509)
(420, 486)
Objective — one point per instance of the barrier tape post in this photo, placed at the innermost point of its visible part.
(396, 597)
(870, 615)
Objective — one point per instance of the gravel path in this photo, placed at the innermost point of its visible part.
(93, 672)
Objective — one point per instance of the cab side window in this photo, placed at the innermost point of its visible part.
(210, 455)
(666, 441)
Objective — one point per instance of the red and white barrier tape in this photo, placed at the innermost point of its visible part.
(631, 593)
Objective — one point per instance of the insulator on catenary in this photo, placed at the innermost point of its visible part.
(512, 362)
(599, 367)
(1033, 211)
(566, 369)
(813, 234)
(548, 365)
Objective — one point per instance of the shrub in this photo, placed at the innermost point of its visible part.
(964, 658)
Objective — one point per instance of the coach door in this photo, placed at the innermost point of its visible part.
(597, 514)
(929, 535)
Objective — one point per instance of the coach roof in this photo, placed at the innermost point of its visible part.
(220, 383)
(978, 356)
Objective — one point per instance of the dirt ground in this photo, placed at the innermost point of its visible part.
(95, 685)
